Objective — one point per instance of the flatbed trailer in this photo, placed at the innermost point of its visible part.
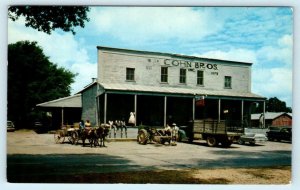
(214, 132)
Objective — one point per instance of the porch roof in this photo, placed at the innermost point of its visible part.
(70, 101)
(176, 91)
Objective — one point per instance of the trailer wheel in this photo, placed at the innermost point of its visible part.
(143, 137)
(211, 141)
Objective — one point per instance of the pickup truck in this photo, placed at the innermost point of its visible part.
(280, 133)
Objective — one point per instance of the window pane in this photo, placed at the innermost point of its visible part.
(164, 74)
(129, 73)
(200, 78)
(182, 77)
(227, 82)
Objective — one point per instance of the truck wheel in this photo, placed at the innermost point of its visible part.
(143, 137)
(241, 142)
(212, 141)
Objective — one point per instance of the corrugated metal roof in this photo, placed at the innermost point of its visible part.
(269, 115)
(70, 101)
(177, 90)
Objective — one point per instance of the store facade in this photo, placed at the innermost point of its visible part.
(161, 88)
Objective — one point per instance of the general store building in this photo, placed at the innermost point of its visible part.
(163, 87)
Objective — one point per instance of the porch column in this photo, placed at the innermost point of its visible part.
(165, 111)
(219, 110)
(193, 116)
(105, 106)
(264, 110)
(135, 108)
(97, 111)
(242, 111)
(62, 116)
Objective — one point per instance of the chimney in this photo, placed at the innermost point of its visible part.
(94, 80)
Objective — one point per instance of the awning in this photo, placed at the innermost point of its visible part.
(66, 102)
(176, 91)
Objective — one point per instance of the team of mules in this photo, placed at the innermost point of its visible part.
(96, 135)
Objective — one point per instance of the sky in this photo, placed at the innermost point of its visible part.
(260, 35)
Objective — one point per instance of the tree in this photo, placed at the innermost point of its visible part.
(49, 18)
(276, 105)
(33, 79)
(273, 105)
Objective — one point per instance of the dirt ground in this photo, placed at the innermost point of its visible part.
(258, 176)
(41, 149)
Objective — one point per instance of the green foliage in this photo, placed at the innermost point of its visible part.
(273, 105)
(49, 18)
(33, 79)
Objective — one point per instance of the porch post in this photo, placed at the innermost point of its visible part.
(219, 110)
(135, 108)
(193, 117)
(242, 111)
(97, 111)
(264, 110)
(105, 106)
(62, 116)
(165, 111)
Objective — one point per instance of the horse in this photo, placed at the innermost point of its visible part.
(112, 126)
(100, 133)
(121, 124)
(88, 133)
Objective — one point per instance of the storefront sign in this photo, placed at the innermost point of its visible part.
(190, 64)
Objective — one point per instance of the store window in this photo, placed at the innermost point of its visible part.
(164, 74)
(130, 74)
(228, 81)
(182, 76)
(200, 77)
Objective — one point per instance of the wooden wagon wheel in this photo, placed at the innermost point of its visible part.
(70, 138)
(75, 137)
(59, 137)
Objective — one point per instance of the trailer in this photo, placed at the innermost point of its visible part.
(212, 131)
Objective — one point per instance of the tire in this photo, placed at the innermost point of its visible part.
(252, 143)
(59, 137)
(143, 137)
(241, 142)
(211, 141)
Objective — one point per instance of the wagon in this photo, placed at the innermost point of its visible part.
(66, 132)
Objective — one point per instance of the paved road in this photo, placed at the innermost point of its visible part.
(30, 155)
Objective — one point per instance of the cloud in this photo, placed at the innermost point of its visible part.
(86, 71)
(61, 48)
(143, 24)
(271, 70)
(273, 82)
(242, 55)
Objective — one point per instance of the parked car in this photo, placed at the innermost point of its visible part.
(252, 138)
(10, 126)
(280, 133)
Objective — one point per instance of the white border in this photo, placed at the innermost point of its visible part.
(296, 94)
